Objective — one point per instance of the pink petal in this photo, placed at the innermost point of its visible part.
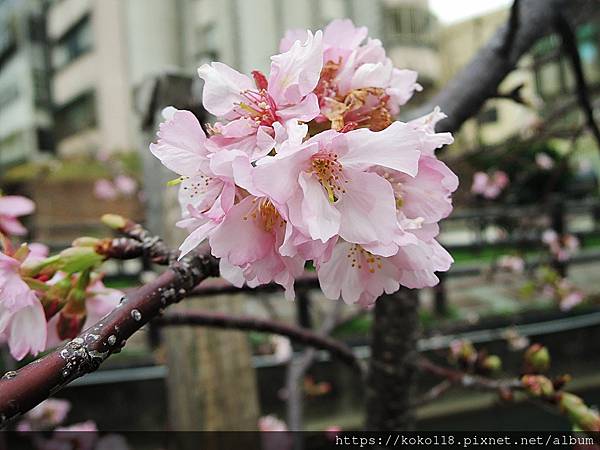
(28, 331)
(320, 216)
(375, 75)
(277, 176)
(394, 147)
(403, 85)
(222, 87)
(15, 206)
(338, 278)
(181, 145)
(240, 238)
(12, 226)
(196, 238)
(305, 111)
(295, 73)
(343, 33)
(368, 209)
(428, 194)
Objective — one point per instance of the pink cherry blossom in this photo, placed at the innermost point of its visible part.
(12, 207)
(46, 415)
(561, 247)
(359, 276)
(271, 423)
(250, 108)
(22, 319)
(511, 263)
(358, 83)
(329, 190)
(544, 161)
(249, 238)
(571, 300)
(105, 190)
(126, 185)
(271, 187)
(208, 189)
(489, 187)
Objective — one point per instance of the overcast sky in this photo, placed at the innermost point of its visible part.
(449, 11)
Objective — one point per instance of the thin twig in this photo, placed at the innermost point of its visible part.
(298, 367)
(569, 42)
(467, 380)
(296, 334)
(514, 94)
(513, 26)
(434, 393)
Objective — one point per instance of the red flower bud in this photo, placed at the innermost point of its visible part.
(260, 80)
(56, 297)
(537, 385)
(72, 316)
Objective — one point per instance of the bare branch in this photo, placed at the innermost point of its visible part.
(515, 95)
(569, 42)
(249, 323)
(434, 393)
(467, 380)
(463, 97)
(513, 25)
(23, 389)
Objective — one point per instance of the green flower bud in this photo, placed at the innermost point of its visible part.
(85, 241)
(536, 359)
(537, 385)
(78, 259)
(492, 364)
(114, 221)
(578, 412)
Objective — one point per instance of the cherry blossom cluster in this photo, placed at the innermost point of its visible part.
(45, 299)
(489, 186)
(308, 164)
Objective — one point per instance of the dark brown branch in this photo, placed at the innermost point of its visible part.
(569, 42)
(23, 389)
(467, 380)
(297, 368)
(434, 393)
(120, 248)
(152, 247)
(464, 96)
(248, 323)
(513, 25)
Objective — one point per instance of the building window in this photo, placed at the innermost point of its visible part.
(8, 38)
(45, 140)
(77, 115)
(73, 43)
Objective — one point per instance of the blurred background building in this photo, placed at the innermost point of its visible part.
(70, 70)
(92, 54)
(25, 107)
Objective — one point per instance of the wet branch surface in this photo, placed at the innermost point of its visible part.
(23, 389)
